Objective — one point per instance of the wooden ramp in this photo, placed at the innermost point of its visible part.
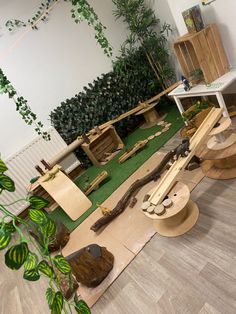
(169, 179)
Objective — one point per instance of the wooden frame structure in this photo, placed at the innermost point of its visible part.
(202, 50)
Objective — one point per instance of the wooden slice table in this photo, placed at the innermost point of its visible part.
(180, 217)
(150, 115)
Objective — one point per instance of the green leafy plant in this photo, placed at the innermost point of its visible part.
(146, 32)
(22, 106)
(108, 96)
(80, 11)
(198, 106)
(33, 256)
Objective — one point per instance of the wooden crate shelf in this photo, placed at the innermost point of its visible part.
(103, 147)
(202, 50)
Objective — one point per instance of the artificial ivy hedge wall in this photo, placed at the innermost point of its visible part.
(107, 97)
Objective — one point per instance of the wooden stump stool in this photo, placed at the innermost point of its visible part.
(91, 264)
(151, 116)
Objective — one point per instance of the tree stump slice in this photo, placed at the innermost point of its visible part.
(161, 123)
(91, 264)
(151, 137)
(145, 205)
(158, 134)
(159, 210)
(150, 209)
(167, 203)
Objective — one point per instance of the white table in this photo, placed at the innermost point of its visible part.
(215, 88)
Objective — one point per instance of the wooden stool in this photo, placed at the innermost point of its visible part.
(180, 217)
(150, 115)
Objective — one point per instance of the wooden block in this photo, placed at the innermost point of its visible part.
(145, 205)
(137, 146)
(159, 209)
(151, 137)
(95, 183)
(167, 203)
(151, 209)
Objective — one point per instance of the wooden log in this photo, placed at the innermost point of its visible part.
(137, 146)
(91, 264)
(95, 183)
(123, 202)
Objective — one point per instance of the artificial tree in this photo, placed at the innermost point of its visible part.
(34, 256)
(146, 31)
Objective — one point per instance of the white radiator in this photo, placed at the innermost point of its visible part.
(21, 166)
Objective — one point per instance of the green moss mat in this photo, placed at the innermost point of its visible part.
(118, 173)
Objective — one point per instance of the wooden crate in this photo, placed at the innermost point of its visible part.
(103, 147)
(203, 50)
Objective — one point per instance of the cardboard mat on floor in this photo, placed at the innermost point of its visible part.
(126, 235)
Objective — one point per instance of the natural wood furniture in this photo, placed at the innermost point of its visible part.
(65, 193)
(219, 153)
(103, 146)
(179, 216)
(184, 213)
(217, 88)
(150, 115)
(91, 265)
(202, 50)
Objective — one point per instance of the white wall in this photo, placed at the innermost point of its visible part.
(49, 65)
(219, 11)
(163, 12)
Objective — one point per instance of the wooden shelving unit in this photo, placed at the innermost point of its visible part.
(202, 50)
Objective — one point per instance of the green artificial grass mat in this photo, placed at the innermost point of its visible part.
(118, 173)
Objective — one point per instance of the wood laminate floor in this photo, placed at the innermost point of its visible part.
(194, 273)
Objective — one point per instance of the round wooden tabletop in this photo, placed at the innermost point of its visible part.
(179, 195)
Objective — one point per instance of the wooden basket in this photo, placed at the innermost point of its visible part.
(202, 50)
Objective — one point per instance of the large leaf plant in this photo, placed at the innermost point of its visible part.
(34, 257)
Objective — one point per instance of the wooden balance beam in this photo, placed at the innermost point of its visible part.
(75, 144)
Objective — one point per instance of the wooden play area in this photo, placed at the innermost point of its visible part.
(125, 202)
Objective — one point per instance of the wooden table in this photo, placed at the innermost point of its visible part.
(216, 88)
(150, 115)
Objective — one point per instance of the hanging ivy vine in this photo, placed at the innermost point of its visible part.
(22, 106)
(81, 11)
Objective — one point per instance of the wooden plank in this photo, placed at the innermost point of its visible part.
(208, 56)
(191, 52)
(214, 51)
(65, 193)
(181, 60)
(202, 60)
(169, 179)
(222, 54)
